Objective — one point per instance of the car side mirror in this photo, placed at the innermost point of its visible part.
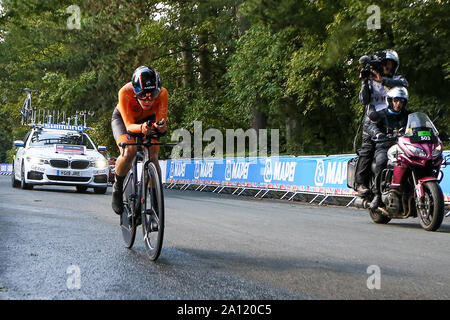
(101, 148)
(18, 143)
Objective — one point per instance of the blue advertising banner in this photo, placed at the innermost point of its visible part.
(317, 174)
(445, 183)
(5, 168)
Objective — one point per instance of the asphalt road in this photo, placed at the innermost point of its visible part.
(59, 244)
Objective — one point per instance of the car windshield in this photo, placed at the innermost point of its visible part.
(418, 122)
(50, 138)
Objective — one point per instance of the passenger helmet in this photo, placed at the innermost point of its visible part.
(393, 56)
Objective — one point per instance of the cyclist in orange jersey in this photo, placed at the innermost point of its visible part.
(141, 100)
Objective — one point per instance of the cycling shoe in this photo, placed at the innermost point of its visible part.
(117, 199)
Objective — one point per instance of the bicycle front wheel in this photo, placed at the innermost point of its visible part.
(128, 217)
(152, 211)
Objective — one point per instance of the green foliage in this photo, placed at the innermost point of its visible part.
(257, 71)
(322, 69)
(290, 65)
(320, 88)
(101, 134)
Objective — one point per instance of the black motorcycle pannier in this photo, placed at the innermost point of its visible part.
(351, 171)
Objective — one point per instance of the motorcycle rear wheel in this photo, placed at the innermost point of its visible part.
(432, 214)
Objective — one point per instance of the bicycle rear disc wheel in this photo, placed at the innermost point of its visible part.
(128, 219)
(152, 212)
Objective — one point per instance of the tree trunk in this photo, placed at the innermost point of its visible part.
(293, 127)
(188, 70)
(242, 22)
(259, 119)
(205, 72)
(185, 21)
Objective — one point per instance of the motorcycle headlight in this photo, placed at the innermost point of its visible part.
(393, 153)
(37, 160)
(436, 152)
(418, 152)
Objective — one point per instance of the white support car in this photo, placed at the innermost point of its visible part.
(55, 154)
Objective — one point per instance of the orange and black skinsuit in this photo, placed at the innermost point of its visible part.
(129, 115)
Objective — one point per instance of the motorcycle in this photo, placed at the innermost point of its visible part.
(409, 184)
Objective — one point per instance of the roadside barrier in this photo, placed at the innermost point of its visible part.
(5, 169)
(320, 176)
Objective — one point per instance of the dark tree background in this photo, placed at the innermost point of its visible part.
(290, 65)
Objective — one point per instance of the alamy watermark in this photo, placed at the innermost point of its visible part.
(374, 21)
(73, 281)
(233, 144)
(74, 21)
(374, 280)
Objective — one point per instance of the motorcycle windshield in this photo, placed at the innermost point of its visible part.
(419, 124)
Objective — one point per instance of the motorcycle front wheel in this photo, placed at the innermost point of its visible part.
(432, 212)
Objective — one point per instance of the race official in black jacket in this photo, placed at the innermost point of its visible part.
(387, 121)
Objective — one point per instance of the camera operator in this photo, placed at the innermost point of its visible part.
(377, 76)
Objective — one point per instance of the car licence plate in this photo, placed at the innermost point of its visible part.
(68, 173)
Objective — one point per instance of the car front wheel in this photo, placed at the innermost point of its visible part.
(100, 190)
(15, 183)
(81, 189)
(23, 184)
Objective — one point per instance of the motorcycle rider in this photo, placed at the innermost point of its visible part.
(387, 121)
(373, 95)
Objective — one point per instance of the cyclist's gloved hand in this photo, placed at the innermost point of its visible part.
(161, 126)
(146, 129)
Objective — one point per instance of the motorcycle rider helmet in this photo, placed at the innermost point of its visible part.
(393, 56)
(146, 81)
(399, 93)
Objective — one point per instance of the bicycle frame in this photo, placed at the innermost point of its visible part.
(146, 144)
(134, 168)
(135, 202)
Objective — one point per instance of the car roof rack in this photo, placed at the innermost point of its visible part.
(52, 119)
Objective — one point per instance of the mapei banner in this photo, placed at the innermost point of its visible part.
(310, 174)
(316, 174)
(5, 168)
(445, 183)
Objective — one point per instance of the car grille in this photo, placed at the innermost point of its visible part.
(63, 164)
(59, 163)
(79, 164)
(71, 179)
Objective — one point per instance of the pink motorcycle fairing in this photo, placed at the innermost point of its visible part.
(403, 142)
(408, 158)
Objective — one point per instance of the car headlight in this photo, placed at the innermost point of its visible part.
(100, 164)
(436, 152)
(418, 152)
(37, 160)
